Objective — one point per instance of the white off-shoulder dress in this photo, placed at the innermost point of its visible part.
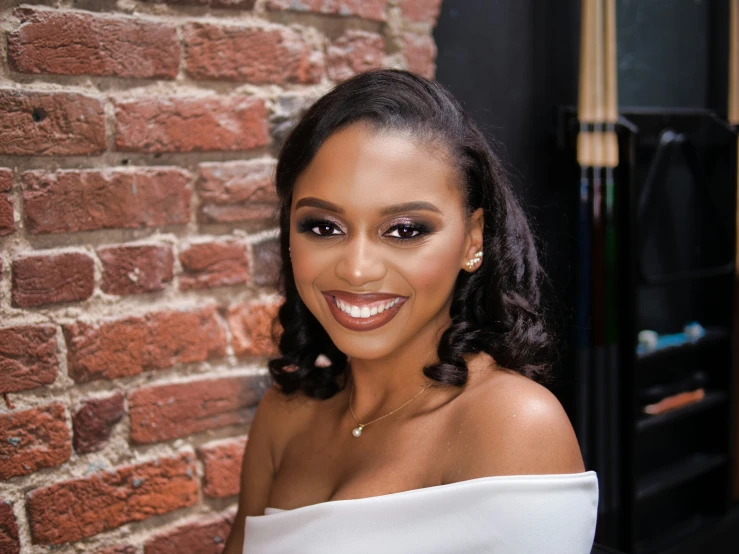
(516, 514)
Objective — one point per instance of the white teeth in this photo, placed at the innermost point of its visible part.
(365, 311)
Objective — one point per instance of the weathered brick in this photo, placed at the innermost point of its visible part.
(79, 508)
(368, 9)
(285, 114)
(125, 347)
(222, 467)
(354, 52)
(33, 439)
(267, 262)
(41, 280)
(50, 123)
(166, 412)
(136, 269)
(257, 55)
(9, 541)
(6, 179)
(235, 4)
(200, 536)
(81, 43)
(188, 124)
(72, 200)
(214, 264)
(421, 11)
(7, 218)
(28, 357)
(237, 191)
(420, 54)
(251, 328)
(94, 421)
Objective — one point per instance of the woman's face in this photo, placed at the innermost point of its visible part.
(377, 238)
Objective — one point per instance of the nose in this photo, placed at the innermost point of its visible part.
(360, 263)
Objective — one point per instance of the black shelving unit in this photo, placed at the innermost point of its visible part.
(666, 477)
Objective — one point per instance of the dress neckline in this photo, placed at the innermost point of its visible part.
(436, 489)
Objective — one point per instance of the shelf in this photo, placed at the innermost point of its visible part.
(648, 423)
(676, 474)
(713, 335)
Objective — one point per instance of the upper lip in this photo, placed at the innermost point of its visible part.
(359, 299)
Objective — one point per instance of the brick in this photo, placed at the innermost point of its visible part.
(136, 269)
(81, 43)
(42, 280)
(166, 412)
(71, 200)
(130, 346)
(189, 124)
(251, 327)
(286, 112)
(79, 508)
(368, 9)
(50, 124)
(252, 54)
(267, 262)
(354, 52)
(421, 11)
(237, 191)
(214, 264)
(28, 357)
(234, 4)
(6, 179)
(7, 218)
(9, 541)
(222, 467)
(420, 54)
(33, 439)
(94, 421)
(195, 537)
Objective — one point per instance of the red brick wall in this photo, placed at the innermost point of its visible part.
(137, 249)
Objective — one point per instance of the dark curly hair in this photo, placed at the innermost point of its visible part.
(495, 309)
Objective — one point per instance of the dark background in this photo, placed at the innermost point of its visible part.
(513, 62)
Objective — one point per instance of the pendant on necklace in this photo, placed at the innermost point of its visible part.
(357, 431)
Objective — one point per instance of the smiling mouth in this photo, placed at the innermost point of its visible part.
(363, 316)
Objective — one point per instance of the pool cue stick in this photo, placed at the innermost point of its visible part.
(610, 147)
(600, 377)
(582, 295)
(733, 118)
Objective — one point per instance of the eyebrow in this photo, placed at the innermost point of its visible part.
(310, 201)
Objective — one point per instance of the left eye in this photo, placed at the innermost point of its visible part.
(404, 231)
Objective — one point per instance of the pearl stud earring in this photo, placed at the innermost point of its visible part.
(478, 258)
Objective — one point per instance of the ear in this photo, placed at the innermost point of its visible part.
(473, 241)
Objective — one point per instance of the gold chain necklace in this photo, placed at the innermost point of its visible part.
(357, 431)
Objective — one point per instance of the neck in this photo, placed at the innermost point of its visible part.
(381, 385)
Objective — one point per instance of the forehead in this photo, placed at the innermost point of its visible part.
(362, 168)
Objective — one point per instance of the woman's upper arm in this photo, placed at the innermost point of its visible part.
(257, 470)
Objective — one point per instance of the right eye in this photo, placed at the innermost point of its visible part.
(319, 228)
(325, 229)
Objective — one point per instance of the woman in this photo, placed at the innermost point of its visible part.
(405, 416)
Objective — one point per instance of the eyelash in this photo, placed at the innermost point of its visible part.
(307, 225)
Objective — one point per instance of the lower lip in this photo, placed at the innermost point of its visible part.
(362, 323)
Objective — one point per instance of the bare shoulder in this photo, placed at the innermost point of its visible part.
(508, 424)
(273, 424)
